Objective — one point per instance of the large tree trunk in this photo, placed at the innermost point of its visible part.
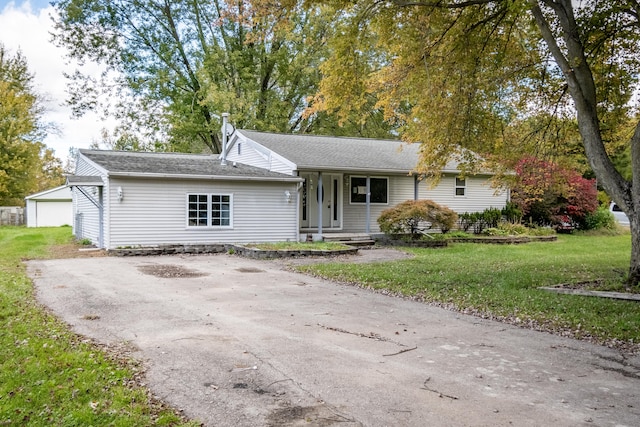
(634, 270)
(575, 67)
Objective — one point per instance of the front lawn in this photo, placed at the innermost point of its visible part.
(501, 281)
(48, 375)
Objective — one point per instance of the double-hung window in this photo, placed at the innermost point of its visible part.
(209, 210)
(461, 186)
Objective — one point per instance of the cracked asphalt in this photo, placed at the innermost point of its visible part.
(239, 342)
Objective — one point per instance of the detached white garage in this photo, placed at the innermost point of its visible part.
(51, 208)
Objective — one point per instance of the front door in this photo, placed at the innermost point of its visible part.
(330, 201)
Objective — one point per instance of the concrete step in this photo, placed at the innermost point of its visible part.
(358, 243)
(351, 239)
(333, 237)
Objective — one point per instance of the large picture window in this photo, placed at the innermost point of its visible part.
(209, 210)
(379, 190)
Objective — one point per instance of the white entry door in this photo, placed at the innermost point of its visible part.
(330, 199)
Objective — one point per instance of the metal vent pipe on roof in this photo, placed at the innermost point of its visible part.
(223, 157)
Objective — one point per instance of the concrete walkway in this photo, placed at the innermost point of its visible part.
(237, 342)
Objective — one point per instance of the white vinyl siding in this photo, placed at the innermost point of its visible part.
(153, 212)
(479, 194)
(253, 154)
(88, 212)
(354, 216)
(248, 156)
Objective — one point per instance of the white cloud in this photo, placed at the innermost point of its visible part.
(27, 26)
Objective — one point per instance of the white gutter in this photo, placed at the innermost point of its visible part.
(206, 177)
(375, 172)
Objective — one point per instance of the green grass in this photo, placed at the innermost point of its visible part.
(48, 375)
(501, 281)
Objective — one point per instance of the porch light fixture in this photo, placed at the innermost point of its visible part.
(120, 194)
(287, 196)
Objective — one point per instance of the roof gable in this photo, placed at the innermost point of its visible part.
(341, 153)
(58, 193)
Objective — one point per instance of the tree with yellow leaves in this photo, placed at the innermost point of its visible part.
(462, 73)
(26, 165)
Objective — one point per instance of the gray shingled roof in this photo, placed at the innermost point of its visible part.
(176, 165)
(342, 153)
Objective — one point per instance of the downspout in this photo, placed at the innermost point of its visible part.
(368, 203)
(320, 206)
(100, 219)
(416, 187)
(298, 207)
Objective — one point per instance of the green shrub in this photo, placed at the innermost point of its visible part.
(511, 213)
(492, 217)
(540, 231)
(478, 221)
(412, 216)
(513, 229)
(600, 218)
(492, 231)
(465, 221)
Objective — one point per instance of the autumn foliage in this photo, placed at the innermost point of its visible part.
(412, 215)
(548, 194)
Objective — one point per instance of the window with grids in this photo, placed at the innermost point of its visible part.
(209, 210)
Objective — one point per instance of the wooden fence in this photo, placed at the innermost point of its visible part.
(11, 215)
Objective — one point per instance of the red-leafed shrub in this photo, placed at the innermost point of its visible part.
(548, 194)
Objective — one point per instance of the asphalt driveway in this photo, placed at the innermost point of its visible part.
(238, 342)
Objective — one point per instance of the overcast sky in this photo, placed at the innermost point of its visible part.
(25, 25)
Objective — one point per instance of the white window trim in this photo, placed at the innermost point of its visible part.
(365, 177)
(456, 187)
(209, 218)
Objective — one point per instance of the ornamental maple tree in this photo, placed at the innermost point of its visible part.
(548, 194)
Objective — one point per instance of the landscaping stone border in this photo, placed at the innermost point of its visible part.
(170, 250)
(505, 240)
(256, 253)
(241, 250)
(398, 240)
(391, 241)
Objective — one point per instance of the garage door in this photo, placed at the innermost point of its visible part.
(53, 214)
